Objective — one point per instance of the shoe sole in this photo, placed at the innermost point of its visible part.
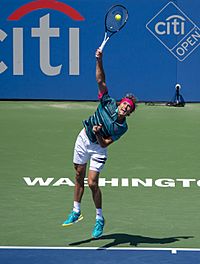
(96, 237)
(78, 220)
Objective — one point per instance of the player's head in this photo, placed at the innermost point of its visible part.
(127, 105)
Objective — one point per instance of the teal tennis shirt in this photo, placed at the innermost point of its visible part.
(106, 114)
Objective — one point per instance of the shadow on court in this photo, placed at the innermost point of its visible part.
(132, 240)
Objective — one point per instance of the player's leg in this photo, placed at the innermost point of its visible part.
(80, 170)
(80, 163)
(75, 215)
(93, 178)
(97, 162)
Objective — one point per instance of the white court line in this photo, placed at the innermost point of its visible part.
(173, 250)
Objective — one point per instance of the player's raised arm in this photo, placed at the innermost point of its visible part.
(100, 74)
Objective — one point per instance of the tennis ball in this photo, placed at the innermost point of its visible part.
(118, 17)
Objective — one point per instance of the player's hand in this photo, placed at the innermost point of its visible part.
(96, 129)
(98, 54)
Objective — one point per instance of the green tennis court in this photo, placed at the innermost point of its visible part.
(152, 183)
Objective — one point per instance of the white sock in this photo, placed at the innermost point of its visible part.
(77, 207)
(99, 214)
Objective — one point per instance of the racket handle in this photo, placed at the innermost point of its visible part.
(103, 44)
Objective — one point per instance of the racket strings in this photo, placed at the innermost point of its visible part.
(112, 24)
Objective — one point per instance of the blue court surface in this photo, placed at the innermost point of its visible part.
(61, 255)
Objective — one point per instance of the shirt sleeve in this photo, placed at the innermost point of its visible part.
(101, 94)
(105, 98)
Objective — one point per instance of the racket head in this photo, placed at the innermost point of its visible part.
(111, 24)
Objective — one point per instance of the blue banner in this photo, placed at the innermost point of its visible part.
(47, 49)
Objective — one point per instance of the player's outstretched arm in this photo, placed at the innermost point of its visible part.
(100, 74)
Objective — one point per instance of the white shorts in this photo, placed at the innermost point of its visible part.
(85, 150)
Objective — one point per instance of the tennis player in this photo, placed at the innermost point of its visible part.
(106, 126)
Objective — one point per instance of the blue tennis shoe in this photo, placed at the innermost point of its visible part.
(73, 218)
(98, 228)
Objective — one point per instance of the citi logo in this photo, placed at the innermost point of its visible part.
(45, 4)
(173, 25)
(43, 33)
(175, 30)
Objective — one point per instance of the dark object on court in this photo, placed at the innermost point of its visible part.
(177, 99)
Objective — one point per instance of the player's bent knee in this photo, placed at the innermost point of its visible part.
(93, 185)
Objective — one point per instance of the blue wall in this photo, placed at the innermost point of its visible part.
(135, 60)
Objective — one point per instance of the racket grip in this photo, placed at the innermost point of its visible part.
(102, 46)
(103, 43)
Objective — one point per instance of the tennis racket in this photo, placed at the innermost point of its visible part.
(115, 20)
